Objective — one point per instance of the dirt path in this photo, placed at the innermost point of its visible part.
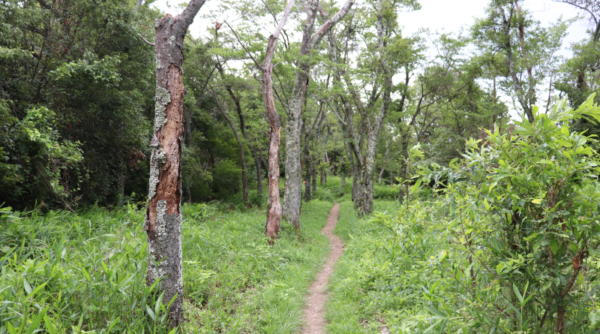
(314, 313)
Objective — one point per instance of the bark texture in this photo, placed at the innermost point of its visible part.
(293, 167)
(274, 211)
(163, 215)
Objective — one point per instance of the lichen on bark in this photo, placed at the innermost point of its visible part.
(158, 158)
(163, 98)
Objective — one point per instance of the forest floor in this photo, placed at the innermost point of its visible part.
(314, 312)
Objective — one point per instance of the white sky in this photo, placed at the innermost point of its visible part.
(449, 16)
(435, 15)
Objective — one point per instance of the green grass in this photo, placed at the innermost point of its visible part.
(351, 307)
(65, 272)
(408, 269)
(235, 283)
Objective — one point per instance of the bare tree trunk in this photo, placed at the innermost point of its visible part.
(560, 319)
(293, 168)
(391, 176)
(274, 213)
(139, 5)
(307, 162)
(259, 176)
(163, 215)
(343, 177)
(240, 144)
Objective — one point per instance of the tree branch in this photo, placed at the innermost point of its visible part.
(145, 40)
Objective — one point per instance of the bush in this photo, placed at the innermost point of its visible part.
(512, 247)
(385, 192)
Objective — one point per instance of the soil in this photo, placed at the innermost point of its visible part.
(314, 312)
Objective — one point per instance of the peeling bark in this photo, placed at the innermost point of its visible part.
(163, 215)
(274, 212)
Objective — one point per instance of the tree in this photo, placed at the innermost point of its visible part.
(59, 55)
(362, 141)
(293, 168)
(240, 144)
(528, 49)
(274, 212)
(592, 8)
(163, 214)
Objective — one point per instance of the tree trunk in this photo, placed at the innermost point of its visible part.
(342, 176)
(293, 168)
(391, 176)
(163, 214)
(560, 319)
(240, 144)
(307, 162)
(365, 197)
(274, 213)
(381, 174)
(259, 177)
(314, 172)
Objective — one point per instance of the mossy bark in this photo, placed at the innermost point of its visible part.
(163, 214)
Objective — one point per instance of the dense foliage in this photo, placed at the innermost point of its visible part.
(510, 246)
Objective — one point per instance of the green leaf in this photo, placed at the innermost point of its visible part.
(564, 143)
(517, 293)
(39, 287)
(50, 325)
(86, 274)
(36, 322)
(554, 246)
(28, 288)
(150, 313)
(11, 328)
(537, 201)
(499, 268)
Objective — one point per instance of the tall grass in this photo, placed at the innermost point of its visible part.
(64, 272)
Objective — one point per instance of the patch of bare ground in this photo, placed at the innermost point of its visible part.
(314, 312)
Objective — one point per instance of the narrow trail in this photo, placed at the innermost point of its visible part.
(314, 312)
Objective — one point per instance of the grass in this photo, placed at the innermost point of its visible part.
(405, 268)
(84, 272)
(351, 307)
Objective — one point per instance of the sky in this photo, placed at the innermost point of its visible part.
(448, 16)
(435, 15)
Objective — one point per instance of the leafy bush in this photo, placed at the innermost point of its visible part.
(385, 192)
(527, 215)
(511, 248)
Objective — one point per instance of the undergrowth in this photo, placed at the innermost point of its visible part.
(84, 272)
